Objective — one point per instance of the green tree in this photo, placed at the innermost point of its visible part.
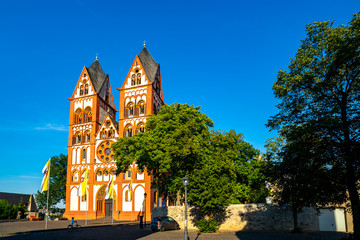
(57, 187)
(178, 142)
(298, 177)
(21, 209)
(171, 148)
(320, 94)
(7, 211)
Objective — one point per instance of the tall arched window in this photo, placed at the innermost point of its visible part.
(141, 107)
(77, 138)
(128, 131)
(133, 80)
(81, 90)
(140, 128)
(99, 175)
(87, 114)
(75, 176)
(84, 154)
(129, 109)
(138, 79)
(78, 116)
(87, 136)
(86, 89)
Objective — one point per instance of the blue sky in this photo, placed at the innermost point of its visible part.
(222, 55)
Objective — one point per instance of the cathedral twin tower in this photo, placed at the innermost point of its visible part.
(93, 129)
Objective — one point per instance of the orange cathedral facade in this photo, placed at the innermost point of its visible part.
(93, 129)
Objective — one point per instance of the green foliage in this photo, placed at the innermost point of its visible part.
(21, 209)
(178, 142)
(7, 211)
(57, 187)
(170, 148)
(208, 226)
(319, 115)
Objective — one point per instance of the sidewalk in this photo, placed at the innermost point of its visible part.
(12, 228)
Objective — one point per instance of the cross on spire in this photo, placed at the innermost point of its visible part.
(144, 43)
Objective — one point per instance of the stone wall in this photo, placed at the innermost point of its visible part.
(248, 217)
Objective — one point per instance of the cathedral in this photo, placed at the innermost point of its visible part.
(93, 128)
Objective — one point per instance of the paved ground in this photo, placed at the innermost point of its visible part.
(102, 229)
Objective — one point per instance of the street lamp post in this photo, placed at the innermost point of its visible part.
(145, 195)
(185, 183)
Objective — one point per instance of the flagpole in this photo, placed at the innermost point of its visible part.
(112, 210)
(47, 199)
(87, 205)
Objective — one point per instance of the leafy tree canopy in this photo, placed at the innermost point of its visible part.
(57, 187)
(178, 142)
(320, 97)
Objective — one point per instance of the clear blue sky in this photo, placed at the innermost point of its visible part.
(222, 55)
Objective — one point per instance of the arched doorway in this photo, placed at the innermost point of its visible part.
(104, 206)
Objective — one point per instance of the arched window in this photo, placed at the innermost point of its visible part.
(86, 89)
(99, 175)
(141, 107)
(138, 79)
(87, 114)
(87, 136)
(78, 116)
(128, 131)
(129, 109)
(84, 154)
(75, 176)
(133, 80)
(77, 138)
(111, 133)
(81, 90)
(140, 128)
(113, 172)
(103, 134)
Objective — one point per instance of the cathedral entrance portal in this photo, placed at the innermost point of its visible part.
(104, 206)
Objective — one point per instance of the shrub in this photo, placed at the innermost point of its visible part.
(7, 211)
(208, 226)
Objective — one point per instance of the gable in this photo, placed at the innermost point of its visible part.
(84, 85)
(142, 71)
(108, 124)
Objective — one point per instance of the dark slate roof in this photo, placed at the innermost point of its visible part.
(149, 64)
(96, 75)
(15, 198)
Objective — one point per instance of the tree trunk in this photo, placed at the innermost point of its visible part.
(354, 199)
(295, 218)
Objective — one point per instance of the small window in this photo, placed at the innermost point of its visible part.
(133, 80)
(78, 116)
(86, 89)
(84, 154)
(141, 105)
(138, 79)
(82, 90)
(128, 131)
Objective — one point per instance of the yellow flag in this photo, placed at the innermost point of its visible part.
(46, 173)
(110, 189)
(83, 184)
